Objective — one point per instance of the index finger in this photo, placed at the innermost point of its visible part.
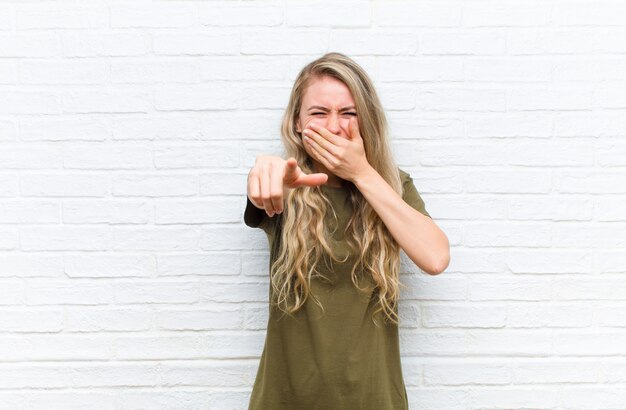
(291, 173)
(295, 177)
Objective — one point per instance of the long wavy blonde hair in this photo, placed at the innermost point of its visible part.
(303, 229)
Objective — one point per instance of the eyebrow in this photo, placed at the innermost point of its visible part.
(319, 107)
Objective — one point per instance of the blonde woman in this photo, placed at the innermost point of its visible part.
(336, 214)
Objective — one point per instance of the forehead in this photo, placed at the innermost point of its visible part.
(327, 91)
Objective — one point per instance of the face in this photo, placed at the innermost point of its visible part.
(327, 102)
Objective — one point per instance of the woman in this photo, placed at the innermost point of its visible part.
(336, 214)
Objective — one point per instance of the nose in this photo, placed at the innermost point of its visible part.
(333, 123)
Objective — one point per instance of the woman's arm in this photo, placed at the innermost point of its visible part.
(417, 234)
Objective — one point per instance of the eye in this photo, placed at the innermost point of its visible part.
(315, 113)
(351, 113)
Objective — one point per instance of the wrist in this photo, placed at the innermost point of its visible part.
(364, 176)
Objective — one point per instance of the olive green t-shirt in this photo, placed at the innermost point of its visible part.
(336, 358)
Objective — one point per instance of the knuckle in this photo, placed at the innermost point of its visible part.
(261, 159)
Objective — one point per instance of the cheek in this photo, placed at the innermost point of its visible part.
(317, 121)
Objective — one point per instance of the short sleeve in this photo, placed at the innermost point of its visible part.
(410, 194)
(257, 218)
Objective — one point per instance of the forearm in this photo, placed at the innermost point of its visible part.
(420, 238)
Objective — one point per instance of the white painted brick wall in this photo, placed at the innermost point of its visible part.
(129, 281)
